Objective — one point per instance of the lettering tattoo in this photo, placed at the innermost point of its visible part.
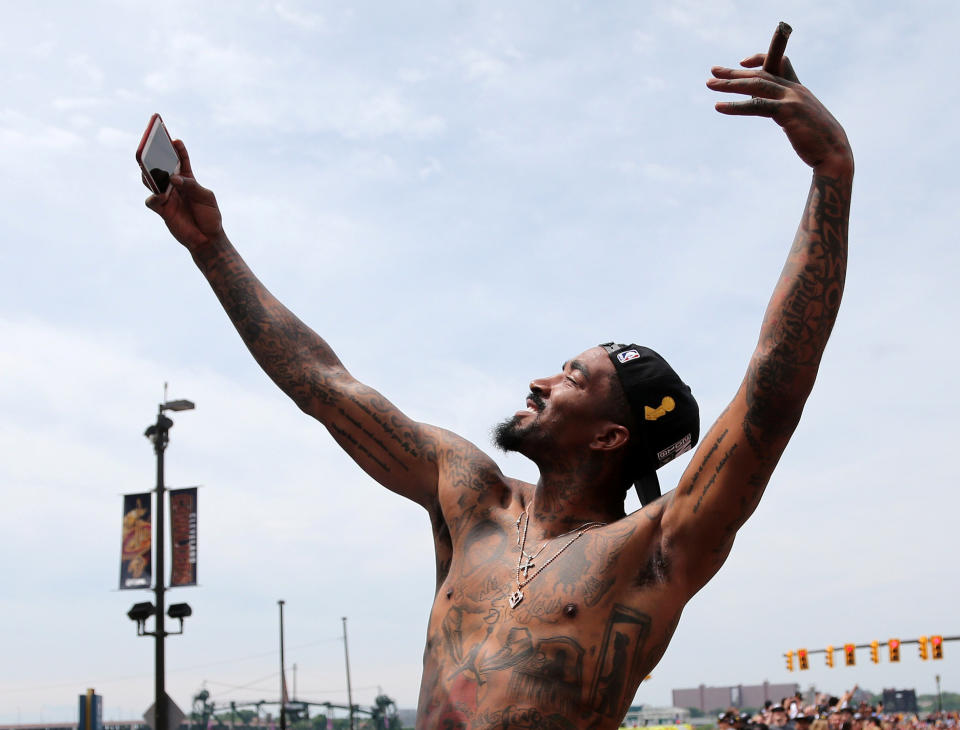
(304, 366)
(716, 472)
(522, 718)
(800, 317)
(703, 463)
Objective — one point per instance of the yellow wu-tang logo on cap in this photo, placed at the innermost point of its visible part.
(666, 405)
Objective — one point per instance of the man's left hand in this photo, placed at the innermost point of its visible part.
(816, 136)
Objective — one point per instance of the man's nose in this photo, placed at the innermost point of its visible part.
(541, 386)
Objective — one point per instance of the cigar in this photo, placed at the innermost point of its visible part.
(778, 45)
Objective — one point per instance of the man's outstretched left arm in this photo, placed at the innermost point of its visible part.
(726, 477)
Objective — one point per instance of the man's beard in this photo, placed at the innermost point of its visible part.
(510, 435)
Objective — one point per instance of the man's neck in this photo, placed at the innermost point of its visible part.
(565, 498)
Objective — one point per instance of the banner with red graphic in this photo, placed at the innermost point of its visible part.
(135, 550)
(183, 542)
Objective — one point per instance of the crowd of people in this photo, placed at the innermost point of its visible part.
(827, 712)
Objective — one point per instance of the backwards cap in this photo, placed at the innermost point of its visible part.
(664, 409)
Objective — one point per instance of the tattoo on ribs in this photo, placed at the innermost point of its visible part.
(621, 651)
(551, 675)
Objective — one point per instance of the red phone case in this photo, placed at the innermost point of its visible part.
(143, 141)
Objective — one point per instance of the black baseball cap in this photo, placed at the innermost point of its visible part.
(664, 409)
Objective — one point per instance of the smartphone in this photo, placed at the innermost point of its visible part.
(157, 157)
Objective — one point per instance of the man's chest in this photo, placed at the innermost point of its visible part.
(576, 640)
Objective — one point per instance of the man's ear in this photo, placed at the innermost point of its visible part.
(611, 437)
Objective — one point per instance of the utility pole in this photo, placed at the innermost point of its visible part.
(283, 678)
(346, 655)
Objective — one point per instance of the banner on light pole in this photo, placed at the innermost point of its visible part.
(135, 570)
(183, 543)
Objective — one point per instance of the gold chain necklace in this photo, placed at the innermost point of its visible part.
(517, 595)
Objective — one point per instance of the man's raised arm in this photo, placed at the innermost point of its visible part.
(726, 477)
(393, 449)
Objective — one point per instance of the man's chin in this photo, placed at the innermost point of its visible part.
(509, 435)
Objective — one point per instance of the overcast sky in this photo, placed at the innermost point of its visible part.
(459, 196)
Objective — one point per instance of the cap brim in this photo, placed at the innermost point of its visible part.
(648, 488)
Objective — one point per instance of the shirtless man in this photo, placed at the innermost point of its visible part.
(552, 604)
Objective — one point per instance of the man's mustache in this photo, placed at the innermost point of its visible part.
(538, 400)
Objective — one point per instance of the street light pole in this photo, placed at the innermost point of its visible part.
(159, 434)
(160, 437)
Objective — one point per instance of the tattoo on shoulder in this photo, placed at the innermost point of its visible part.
(466, 467)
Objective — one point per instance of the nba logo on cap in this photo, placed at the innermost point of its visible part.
(627, 355)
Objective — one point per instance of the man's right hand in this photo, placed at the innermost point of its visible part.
(189, 209)
(398, 452)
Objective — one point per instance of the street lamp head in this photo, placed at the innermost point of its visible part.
(141, 612)
(177, 405)
(160, 428)
(179, 610)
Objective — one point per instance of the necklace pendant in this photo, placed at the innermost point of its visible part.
(515, 598)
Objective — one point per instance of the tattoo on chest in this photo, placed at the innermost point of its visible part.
(548, 672)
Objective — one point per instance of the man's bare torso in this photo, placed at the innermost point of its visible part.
(571, 654)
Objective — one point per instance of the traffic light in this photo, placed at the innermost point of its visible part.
(936, 643)
(894, 646)
(875, 651)
(830, 656)
(802, 659)
(789, 656)
(922, 641)
(850, 654)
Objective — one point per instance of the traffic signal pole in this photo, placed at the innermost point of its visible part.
(926, 645)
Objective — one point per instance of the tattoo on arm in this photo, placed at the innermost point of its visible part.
(716, 472)
(703, 462)
(285, 347)
(799, 318)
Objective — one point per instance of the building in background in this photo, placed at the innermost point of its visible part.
(715, 699)
(656, 717)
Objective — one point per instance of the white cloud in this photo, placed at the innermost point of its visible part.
(21, 133)
(483, 66)
(77, 103)
(303, 19)
(118, 139)
(87, 69)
